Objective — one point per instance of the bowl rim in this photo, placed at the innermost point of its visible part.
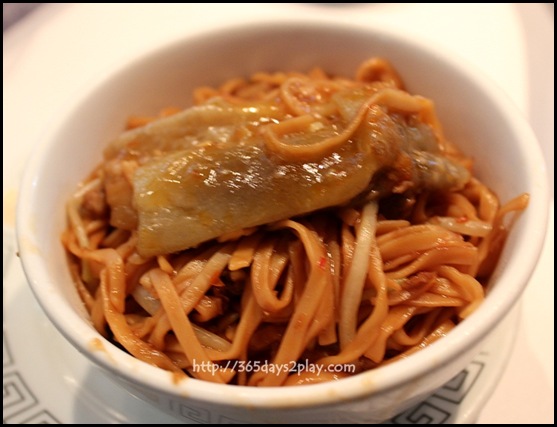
(376, 381)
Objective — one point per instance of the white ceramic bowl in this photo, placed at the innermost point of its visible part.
(473, 111)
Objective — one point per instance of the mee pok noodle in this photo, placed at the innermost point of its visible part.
(285, 220)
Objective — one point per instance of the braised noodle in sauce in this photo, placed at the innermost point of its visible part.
(286, 220)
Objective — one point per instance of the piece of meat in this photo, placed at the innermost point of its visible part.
(219, 168)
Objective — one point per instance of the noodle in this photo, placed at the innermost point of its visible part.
(361, 282)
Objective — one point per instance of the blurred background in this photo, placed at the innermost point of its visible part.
(13, 12)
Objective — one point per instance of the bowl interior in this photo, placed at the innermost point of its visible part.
(474, 115)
